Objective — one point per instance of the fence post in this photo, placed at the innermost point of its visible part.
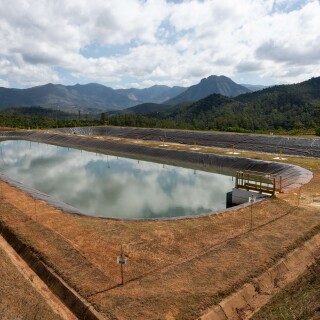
(274, 186)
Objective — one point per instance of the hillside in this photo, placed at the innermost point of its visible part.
(298, 300)
(254, 87)
(146, 108)
(280, 108)
(154, 94)
(90, 96)
(97, 98)
(207, 86)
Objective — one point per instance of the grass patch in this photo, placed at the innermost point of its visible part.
(299, 300)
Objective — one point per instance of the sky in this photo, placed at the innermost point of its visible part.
(140, 43)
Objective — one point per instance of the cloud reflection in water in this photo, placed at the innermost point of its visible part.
(108, 186)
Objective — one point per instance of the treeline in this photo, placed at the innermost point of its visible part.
(204, 121)
(42, 118)
(205, 115)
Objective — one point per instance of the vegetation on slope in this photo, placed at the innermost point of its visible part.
(207, 86)
(144, 108)
(92, 95)
(280, 108)
(299, 300)
(37, 118)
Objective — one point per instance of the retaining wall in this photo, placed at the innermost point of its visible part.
(252, 296)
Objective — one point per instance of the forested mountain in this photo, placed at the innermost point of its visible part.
(96, 98)
(280, 107)
(154, 94)
(145, 108)
(92, 96)
(207, 86)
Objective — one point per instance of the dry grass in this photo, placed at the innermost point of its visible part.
(299, 300)
(18, 299)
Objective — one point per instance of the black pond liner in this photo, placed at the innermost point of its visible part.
(292, 176)
(240, 141)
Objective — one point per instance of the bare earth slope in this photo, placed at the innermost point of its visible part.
(19, 299)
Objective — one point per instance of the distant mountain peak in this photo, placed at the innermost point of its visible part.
(281, 107)
(207, 86)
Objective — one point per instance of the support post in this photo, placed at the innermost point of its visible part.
(122, 260)
(252, 199)
(121, 265)
(260, 184)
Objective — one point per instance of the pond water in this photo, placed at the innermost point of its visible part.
(110, 186)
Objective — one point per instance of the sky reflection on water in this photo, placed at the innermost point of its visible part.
(108, 186)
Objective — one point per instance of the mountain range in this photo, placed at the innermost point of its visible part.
(97, 98)
(293, 107)
(91, 97)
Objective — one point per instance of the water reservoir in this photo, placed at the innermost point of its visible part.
(110, 186)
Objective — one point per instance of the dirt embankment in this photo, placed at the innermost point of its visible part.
(171, 270)
(298, 300)
(20, 298)
(252, 296)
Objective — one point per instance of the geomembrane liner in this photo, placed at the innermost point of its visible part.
(240, 141)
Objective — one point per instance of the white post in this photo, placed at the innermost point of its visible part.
(252, 199)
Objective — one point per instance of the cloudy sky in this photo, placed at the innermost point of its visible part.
(138, 43)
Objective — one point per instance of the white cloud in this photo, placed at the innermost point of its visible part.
(4, 83)
(113, 187)
(172, 43)
(25, 74)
